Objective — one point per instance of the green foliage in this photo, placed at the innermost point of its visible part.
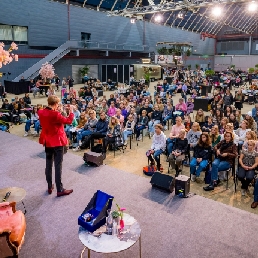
(197, 66)
(251, 70)
(188, 52)
(84, 70)
(256, 66)
(209, 72)
(162, 51)
(233, 67)
(189, 67)
(115, 214)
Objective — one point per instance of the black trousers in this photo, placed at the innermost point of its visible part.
(54, 155)
(107, 140)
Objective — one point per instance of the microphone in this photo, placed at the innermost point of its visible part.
(6, 196)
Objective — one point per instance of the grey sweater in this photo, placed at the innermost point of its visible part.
(193, 137)
(91, 124)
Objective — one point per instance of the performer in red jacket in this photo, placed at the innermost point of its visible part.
(54, 139)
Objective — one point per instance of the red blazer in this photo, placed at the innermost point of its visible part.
(52, 123)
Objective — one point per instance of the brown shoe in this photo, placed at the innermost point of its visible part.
(64, 192)
(254, 205)
(50, 190)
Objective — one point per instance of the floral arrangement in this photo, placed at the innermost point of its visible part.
(47, 71)
(119, 213)
(6, 56)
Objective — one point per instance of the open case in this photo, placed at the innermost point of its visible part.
(97, 210)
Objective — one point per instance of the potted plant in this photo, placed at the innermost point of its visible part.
(116, 216)
(84, 70)
(189, 67)
(232, 67)
(197, 66)
(251, 70)
(188, 52)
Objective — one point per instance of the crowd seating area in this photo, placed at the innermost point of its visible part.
(222, 143)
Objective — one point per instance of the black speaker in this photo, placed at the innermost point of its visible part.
(164, 182)
(182, 185)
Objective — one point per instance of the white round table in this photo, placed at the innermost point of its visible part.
(112, 243)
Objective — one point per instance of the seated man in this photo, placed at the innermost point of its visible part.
(201, 156)
(101, 128)
(142, 123)
(226, 152)
(178, 151)
(129, 128)
(158, 146)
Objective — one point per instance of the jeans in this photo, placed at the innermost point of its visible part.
(126, 133)
(35, 90)
(256, 191)
(218, 165)
(37, 126)
(202, 165)
(170, 143)
(166, 118)
(152, 125)
(245, 176)
(156, 156)
(28, 125)
(138, 130)
(81, 133)
(54, 155)
(3, 128)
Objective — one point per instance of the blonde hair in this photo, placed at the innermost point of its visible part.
(112, 126)
(52, 100)
(198, 126)
(253, 135)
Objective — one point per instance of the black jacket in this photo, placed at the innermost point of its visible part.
(156, 115)
(181, 145)
(201, 152)
(101, 126)
(143, 121)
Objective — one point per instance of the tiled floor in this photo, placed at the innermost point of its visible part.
(133, 160)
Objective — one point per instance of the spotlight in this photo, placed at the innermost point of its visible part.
(180, 15)
(158, 18)
(217, 11)
(133, 20)
(252, 7)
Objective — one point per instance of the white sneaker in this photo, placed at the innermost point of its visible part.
(26, 134)
(243, 191)
(77, 148)
(140, 137)
(80, 143)
(125, 143)
(35, 132)
(165, 128)
(193, 178)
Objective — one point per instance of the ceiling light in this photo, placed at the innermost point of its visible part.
(252, 6)
(158, 18)
(217, 11)
(180, 15)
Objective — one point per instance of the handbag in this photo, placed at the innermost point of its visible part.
(149, 170)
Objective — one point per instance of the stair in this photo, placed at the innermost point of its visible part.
(51, 58)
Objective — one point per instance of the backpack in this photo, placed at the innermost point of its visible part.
(149, 170)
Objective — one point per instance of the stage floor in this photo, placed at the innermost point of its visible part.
(171, 227)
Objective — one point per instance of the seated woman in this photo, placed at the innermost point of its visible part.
(194, 134)
(87, 130)
(112, 109)
(142, 123)
(188, 123)
(226, 152)
(32, 121)
(180, 109)
(222, 125)
(208, 125)
(113, 135)
(241, 132)
(248, 161)
(215, 136)
(230, 128)
(81, 124)
(200, 117)
(158, 146)
(129, 128)
(251, 123)
(178, 152)
(167, 114)
(190, 106)
(156, 117)
(120, 117)
(250, 135)
(232, 119)
(201, 156)
(174, 134)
